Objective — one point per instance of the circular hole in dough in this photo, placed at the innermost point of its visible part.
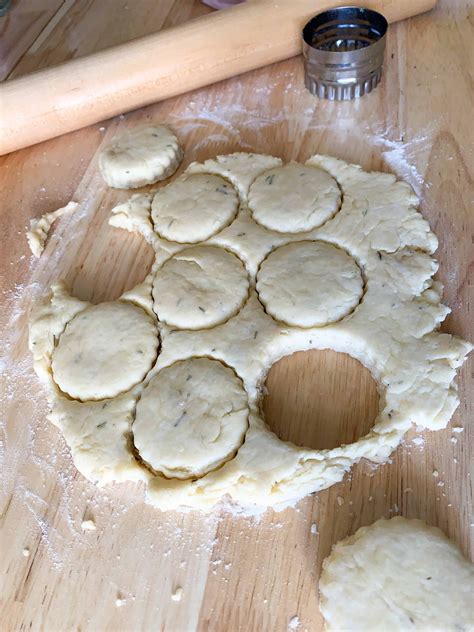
(104, 351)
(140, 156)
(200, 287)
(308, 401)
(397, 574)
(309, 284)
(194, 208)
(294, 198)
(191, 418)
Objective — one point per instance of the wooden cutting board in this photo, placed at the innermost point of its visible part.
(236, 573)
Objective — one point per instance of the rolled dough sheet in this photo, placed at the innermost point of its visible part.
(392, 332)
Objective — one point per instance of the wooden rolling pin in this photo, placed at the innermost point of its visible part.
(90, 89)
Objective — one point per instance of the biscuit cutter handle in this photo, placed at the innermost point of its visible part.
(219, 45)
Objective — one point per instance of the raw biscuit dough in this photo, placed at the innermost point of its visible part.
(140, 156)
(392, 332)
(397, 575)
(39, 227)
(200, 287)
(294, 198)
(104, 351)
(194, 208)
(191, 418)
(309, 284)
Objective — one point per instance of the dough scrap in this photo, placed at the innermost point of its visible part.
(294, 198)
(309, 284)
(191, 418)
(105, 350)
(140, 156)
(39, 227)
(200, 287)
(194, 208)
(392, 332)
(397, 574)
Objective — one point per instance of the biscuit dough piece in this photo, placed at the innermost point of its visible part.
(191, 418)
(194, 208)
(104, 351)
(397, 574)
(309, 284)
(200, 287)
(294, 198)
(140, 156)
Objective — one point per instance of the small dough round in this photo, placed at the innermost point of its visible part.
(309, 284)
(194, 208)
(200, 287)
(294, 198)
(140, 156)
(397, 575)
(104, 351)
(191, 418)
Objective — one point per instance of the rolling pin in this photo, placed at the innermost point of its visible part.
(202, 51)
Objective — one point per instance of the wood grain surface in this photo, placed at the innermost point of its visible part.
(236, 573)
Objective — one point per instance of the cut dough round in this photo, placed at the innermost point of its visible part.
(200, 287)
(191, 418)
(140, 156)
(309, 284)
(397, 574)
(294, 198)
(104, 351)
(194, 208)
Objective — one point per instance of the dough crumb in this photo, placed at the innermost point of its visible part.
(457, 429)
(120, 601)
(418, 441)
(26, 552)
(176, 596)
(294, 623)
(88, 525)
(340, 501)
(314, 528)
(435, 473)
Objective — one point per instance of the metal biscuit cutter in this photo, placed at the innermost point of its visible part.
(343, 52)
